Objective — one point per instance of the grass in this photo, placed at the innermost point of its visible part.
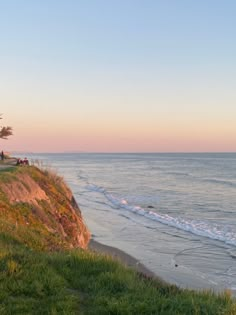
(82, 282)
(37, 279)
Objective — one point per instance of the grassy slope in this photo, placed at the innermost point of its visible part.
(34, 279)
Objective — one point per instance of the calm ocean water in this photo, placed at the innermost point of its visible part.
(176, 213)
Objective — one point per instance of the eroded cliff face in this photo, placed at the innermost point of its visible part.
(41, 202)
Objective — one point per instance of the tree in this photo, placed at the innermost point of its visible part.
(5, 132)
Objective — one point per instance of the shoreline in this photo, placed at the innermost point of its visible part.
(126, 259)
(135, 264)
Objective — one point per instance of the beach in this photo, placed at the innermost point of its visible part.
(174, 213)
(176, 274)
(121, 256)
(58, 273)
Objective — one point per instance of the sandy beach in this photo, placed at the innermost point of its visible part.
(121, 256)
(159, 211)
(129, 261)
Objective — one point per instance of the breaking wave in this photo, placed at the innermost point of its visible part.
(197, 227)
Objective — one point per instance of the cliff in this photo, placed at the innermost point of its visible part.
(42, 273)
(38, 209)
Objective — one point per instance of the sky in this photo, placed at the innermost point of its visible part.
(118, 75)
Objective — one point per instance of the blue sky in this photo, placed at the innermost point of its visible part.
(142, 63)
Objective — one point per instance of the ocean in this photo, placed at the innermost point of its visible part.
(175, 213)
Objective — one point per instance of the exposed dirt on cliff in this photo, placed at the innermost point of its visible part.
(43, 202)
(24, 189)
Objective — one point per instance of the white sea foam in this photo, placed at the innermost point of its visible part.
(213, 231)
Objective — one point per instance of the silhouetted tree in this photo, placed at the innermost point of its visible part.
(5, 132)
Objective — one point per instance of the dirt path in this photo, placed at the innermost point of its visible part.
(7, 163)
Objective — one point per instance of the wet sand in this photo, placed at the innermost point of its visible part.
(121, 256)
(135, 264)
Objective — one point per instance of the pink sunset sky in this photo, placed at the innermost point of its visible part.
(118, 77)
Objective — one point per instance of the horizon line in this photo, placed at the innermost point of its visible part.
(120, 152)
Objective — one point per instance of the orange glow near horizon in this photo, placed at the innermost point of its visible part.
(122, 137)
(153, 127)
(88, 82)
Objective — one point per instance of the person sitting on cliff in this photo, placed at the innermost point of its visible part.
(26, 161)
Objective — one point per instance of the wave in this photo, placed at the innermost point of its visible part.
(220, 182)
(178, 173)
(213, 231)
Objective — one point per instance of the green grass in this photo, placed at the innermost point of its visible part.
(82, 282)
(6, 172)
(40, 275)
